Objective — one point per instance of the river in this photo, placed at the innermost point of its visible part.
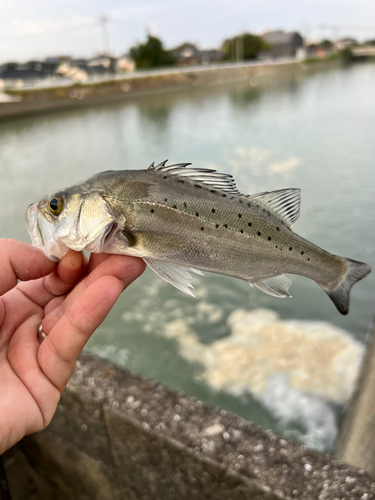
(269, 360)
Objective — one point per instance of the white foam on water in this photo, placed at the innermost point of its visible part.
(316, 419)
(296, 369)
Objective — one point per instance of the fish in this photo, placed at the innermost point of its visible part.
(181, 219)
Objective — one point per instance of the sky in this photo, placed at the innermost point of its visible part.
(34, 29)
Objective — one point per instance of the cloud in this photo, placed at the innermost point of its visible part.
(261, 161)
(285, 166)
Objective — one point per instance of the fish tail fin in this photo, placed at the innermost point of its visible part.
(354, 272)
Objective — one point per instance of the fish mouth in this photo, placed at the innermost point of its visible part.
(32, 225)
(41, 232)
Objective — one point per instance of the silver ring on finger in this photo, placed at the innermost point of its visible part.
(41, 334)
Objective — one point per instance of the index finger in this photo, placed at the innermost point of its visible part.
(21, 261)
(92, 302)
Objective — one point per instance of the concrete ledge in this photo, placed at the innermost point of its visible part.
(45, 100)
(120, 436)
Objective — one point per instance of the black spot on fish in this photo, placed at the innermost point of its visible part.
(181, 182)
(264, 209)
(240, 201)
(196, 214)
(276, 246)
(185, 205)
(212, 191)
(224, 195)
(249, 205)
(174, 206)
(202, 228)
(152, 210)
(216, 225)
(249, 224)
(165, 177)
(231, 197)
(302, 252)
(290, 248)
(269, 238)
(308, 258)
(259, 233)
(239, 216)
(257, 206)
(197, 186)
(241, 231)
(213, 210)
(226, 225)
(277, 229)
(165, 199)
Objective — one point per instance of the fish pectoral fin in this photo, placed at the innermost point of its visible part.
(277, 286)
(175, 274)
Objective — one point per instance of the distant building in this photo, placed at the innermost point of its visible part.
(14, 74)
(107, 62)
(188, 55)
(283, 44)
(125, 63)
(315, 50)
(344, 43)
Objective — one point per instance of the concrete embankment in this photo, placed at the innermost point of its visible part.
(120, 436)
(42, 100)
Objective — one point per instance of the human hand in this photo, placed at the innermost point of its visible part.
(70, 299)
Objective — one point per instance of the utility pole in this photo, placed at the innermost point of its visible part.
(239, 48)
(105, 37)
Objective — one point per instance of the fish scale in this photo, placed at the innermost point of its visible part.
(178, 218)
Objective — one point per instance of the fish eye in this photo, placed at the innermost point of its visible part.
(55, 205)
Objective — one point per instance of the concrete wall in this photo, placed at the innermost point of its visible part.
(120, 436)
(356, 440)
(42, 100)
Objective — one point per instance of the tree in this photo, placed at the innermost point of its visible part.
(244, 47)
(327, 45)
(151, 54)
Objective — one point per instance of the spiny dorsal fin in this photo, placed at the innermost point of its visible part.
(208, 178)
(284, 203)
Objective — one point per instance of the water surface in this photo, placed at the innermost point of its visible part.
(314, 131)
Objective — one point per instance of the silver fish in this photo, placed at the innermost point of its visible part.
(180, 219)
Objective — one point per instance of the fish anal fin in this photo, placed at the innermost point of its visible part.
(175, 274)
(277, 286)
(284, 203)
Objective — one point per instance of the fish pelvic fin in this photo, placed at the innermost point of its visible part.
(355, 271)
(175, 274)
(277, 286)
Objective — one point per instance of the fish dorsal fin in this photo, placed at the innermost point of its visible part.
(277, 286)
(176, 275)
(284, 203)
(205, 177)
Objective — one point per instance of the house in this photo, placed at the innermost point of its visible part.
(107, 62)
(344, 43)
(14, 74)
(315, 50)
(283, 44)
(188, 55)
(125, 63)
